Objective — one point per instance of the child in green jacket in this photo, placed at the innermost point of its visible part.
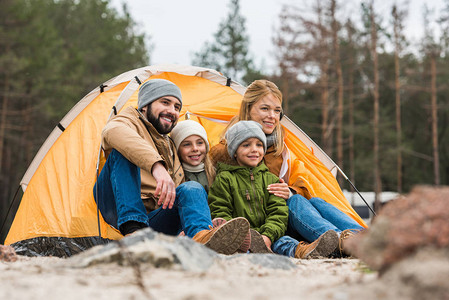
(241, 191)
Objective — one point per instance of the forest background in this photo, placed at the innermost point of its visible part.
(373, 100)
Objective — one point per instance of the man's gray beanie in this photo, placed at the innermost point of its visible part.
(240, 132)
(155, 89)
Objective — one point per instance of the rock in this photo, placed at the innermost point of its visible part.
(266, 260)
(422, 275)
(7, 253)
(408, 244)
(147, 246)
(162, 251)
(272, 261)
(402, 227)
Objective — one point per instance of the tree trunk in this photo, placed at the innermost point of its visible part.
(436, 160)
(351, 109)
(285, 91)
(397, 86)
(377, 182)
(337, 61)
(3, 122)
(324, 84)
(325, 110)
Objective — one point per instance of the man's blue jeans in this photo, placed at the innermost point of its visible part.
(119, 201)
(311, 218)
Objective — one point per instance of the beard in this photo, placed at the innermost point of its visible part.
(156, 122)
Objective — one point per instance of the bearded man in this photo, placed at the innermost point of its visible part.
(141, 183)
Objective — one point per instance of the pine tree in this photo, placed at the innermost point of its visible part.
(229, 53)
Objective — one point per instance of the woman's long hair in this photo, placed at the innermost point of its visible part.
(256, 91)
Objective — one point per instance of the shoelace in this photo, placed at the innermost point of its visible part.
(302, 249)
(345, 234)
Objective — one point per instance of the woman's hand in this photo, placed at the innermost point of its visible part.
(279, 189)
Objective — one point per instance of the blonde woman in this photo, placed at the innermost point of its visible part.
(309, 216)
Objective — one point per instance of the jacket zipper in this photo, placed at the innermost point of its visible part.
(248, 198)
(251, 175)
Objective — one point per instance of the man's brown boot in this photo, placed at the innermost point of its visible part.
(226, 238)
(321, 247)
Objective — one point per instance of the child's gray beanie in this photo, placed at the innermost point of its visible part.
(157, 88)
(240, 132)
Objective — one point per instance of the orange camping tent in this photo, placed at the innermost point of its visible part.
(58, 215)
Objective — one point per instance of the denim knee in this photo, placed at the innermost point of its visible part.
(316, 200)
(190, 190)
(295, 199)
(190, 186)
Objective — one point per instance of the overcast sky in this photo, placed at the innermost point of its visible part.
(179, 28)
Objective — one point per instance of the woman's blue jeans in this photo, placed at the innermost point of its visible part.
(119, 201)
(311, 218)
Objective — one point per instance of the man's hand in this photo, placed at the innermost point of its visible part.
(267, 241)
(279, 189)
(165, 189)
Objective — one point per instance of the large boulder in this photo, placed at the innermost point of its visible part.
(148, 246)
(404, 226)
(408, 243)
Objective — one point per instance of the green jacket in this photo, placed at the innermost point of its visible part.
(240, 191)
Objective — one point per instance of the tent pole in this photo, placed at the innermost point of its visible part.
(353, 186)
(9, 210)
(96, 194)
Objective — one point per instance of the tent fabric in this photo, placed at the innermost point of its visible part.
(58, 186)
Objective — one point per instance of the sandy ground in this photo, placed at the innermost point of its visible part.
(233, 278)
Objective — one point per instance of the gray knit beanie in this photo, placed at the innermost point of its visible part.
(156, 88)
(240, 132)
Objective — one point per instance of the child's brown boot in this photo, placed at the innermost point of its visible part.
(257, 243)
(244, 247)
(226, 238)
